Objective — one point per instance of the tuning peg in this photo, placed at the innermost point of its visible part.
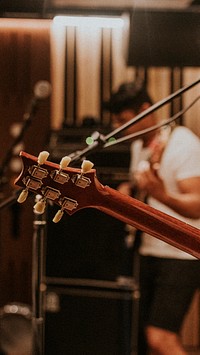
(86, 166)
(42, 157)
(58, 216)
(65, 162)
(81, 180)
(61, 176)
(39, 207)
(23, 196)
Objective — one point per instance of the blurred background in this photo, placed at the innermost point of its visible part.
(88, 268)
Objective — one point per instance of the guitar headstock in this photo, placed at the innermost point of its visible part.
(70, 188)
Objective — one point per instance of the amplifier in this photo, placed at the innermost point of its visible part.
(88, 244)
(94, 320)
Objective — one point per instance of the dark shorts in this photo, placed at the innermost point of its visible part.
(167, 287)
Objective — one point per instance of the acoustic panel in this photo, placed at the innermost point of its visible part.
(164, 38)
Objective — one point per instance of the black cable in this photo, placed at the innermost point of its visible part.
(153, 128)
(151, 109)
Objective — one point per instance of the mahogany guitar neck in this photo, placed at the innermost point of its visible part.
(160, 225)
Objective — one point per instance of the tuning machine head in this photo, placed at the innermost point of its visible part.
(79, 179)
(59, 175)
(54, 182)
(34, 181)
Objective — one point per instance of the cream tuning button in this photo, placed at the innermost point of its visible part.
(23, 196)
(65, 162)
(58, 216)
(42, 157)
(86, 166)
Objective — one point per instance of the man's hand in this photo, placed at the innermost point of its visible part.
(150, 183)
(125, 188)
(186, 201)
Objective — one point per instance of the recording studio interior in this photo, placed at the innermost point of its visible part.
(72, 222)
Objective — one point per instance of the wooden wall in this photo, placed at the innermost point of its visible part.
(24, 60)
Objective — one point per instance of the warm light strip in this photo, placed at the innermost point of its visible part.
(89, 21)
(24, 23)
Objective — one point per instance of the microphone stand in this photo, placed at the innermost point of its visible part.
(101, 141)
(26, 123)
(151, 109)
(153, 128)
(41, 91)
(38, 280)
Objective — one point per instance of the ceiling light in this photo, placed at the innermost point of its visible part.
(89, 21)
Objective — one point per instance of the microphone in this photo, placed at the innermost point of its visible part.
(42, 90)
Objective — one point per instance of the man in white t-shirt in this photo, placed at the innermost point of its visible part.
(170, 182)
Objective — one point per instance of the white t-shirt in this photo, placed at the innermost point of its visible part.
(180, 160)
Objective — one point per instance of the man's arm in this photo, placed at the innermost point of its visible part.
(186, 202)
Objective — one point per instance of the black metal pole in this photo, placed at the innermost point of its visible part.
(38, 281)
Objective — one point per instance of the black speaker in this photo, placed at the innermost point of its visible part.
(88, 244)
(88, 321)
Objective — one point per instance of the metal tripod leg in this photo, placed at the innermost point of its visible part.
(38, 284)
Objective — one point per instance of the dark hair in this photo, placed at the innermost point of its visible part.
(129, 96)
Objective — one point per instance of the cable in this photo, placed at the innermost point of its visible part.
(153, 128)
(150, 110)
